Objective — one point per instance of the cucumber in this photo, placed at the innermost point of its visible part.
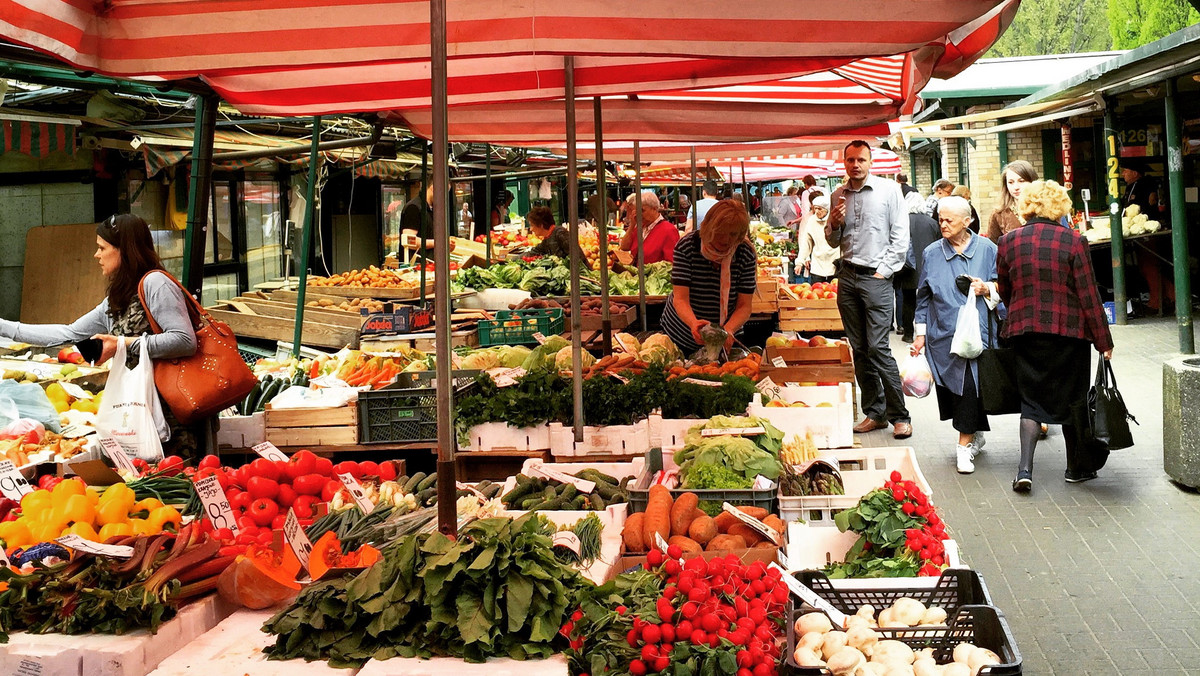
(556, 503)
(608, 491)
(531, 501)
(596, 475)
(515, 495)
(411, 485)
(568, 492)
(427, 482)
(492, 491)
(579, 502)
(597, 501)
(250, 399)
(426, 495)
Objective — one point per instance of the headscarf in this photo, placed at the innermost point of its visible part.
(727, 217)
(823, 202)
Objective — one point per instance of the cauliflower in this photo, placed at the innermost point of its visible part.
(1131, 211)
(627, 343)
(1153, 226)
(659, 348)
(562, 360)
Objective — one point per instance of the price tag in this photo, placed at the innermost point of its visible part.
(583, 485)
(706, 383)
(506, 377)
(120, 459)
(660, 542)
(540, 338)
(768, 387)
(356, 492)
(734, 431)
(565, 538)
(810, 597)
(87, 546)
(762, 483)
(269, 451)
(620, 378)
(778, 362)
(75, 390)
(216, 505)
(296, 539)
(28, 667)
(468, 487)
(12, 484)
(766, 531)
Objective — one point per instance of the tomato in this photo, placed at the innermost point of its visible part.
(303, 506)
(387, 470)
(262, 487)
(324, 467)
(170, 465)
(281, 471)
(332, 488)
(223, 535)
(140, 465)
(287, 496)
(309, 484)
(348, 467)
(265, 538)
(264, 468)
(303, 462)
(368, 468)
(277, 522)
(246, 538)
(241, 502)
(263, 511)
(241, 476)
(210, 461)
(49, 481)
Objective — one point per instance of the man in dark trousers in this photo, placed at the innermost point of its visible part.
(922, 231)
(869, 221)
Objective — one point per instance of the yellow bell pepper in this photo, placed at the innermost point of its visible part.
(160, 517)
(33, 504)
(78, 509)
(84, 530)
(67, 488)
(121, 494)
(146, 505)
(44, 532)
(114, 529)
(140, 527)
(18, 535)
(112, 512)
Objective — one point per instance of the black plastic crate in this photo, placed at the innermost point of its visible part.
(955, 587)
(405, 411)
(980, 625)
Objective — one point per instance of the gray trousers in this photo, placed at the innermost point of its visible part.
(866, 304)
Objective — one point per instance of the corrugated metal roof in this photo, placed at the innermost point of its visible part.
(1015, 76)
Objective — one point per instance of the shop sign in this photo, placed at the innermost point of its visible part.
(1068, 172)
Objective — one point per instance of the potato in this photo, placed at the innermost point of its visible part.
(632, 533)
(682, 513)
(724, 521)
(756, 512)
(688, 545)
(725, 542)
(702, 529)
(747, 533)
(765, 544)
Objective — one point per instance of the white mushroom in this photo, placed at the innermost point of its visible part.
(980, 658)
(834, 642)
(867, 611)
(926, 666)
(908, 610)
(956, 669)
(899, 669)
(813, 622)
(934, 615)
(863, 639)
(806, 657)
(887, 651)
(963, 651)
(812, 640)
(847, 661)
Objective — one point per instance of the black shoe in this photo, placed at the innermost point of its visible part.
(1023, 483)
(907, 338)
(1079, 477)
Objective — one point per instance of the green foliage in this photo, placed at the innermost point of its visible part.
(1133, 23)
(688, 400)
(1055, 27)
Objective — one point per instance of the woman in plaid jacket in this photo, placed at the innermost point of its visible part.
(1044, 274)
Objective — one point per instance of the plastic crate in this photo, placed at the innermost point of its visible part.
(639, 497)
(956, 587)
(980, 625)
(497, 331)
(863, 470)
(403, 412)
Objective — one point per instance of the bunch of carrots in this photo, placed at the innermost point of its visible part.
(374, 371)
(747, 366)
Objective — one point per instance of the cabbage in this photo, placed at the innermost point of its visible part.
(542, 356)
(481, 360)
(562, 361)
(513, 355)
(662, 342)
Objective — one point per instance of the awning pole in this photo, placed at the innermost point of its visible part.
(487, 189)
(637, 222)
(421, 197)
(310, 207)
(572, 198)
(695, 196)
(447, 486)
(602, 230)
(199, 195)
(746, 190)
(1114, 208)
(1179, 236)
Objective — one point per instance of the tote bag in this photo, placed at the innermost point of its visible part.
(130, 411)
(998, 375)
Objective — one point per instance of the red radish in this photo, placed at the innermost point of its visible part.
(662, 663)
(683, 629)
(675, 552)
(699, 637)
(637, 668)
(632, 638)
(649, 653)
(668, 633)
(651, 633)
(666, 612)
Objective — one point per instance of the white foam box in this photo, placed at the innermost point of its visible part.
(449, 666)
(234, 647)
(669, 432)
(828, 417)
(134, 654)
(242, 431)
(863, 470)
(814, 547)
(604, 440)
(499, 436)
(494, 299)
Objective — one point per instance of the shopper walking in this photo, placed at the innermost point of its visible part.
(1016, 175)
(958, 253)
(942, 188)
(869, 221)
(707, 201)
(922, 231)
(125, 252)
(814, 257)
(1044, 274)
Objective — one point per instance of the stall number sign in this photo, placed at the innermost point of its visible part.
(734, 431)
(810, 597)
(296, 539)
(120, 459)
(565, 538)
(582, 485)
(216, 505)
(12, 484)
(88, 547)
(766, 531)
(269, 451)
(356, 492)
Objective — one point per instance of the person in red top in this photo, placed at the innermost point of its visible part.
(1044, 276)
(659, 236)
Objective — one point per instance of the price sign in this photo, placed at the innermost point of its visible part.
(778, 362)
(761, 483)
(356, 492)
(4, 558)
(75, 390)
(766, 531)
(115, 452)
(583, 485)
(506, 377)
(269, 451)
(12, 484)
(734, 431)
(706, 383)
(768, 387)
(216, 505)
(565, 538)
(540, 338)
(810, 597)
(468, 487)
(87, 546)
(660, 542)
(28, 668)
(296, 539)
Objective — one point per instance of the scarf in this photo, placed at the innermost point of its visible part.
(725, 260)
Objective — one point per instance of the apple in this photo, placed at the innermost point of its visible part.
(799, 404)
(818, 341)
(824, 404)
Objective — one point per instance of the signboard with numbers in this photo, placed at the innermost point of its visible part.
(216, 505)
(565, 538)
(269, 451)
(356, 492)
(296, 539)
(87, 546)
(115, 452)
(12, 484)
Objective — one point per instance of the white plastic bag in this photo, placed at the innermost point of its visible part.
(131, 411)
(916, 380)
(967, 342)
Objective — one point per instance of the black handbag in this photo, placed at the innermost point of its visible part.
(998, 375)
(1109, 416)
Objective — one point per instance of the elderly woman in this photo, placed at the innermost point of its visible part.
(959, 252)
(713, 280)
(1044, 274)
(814, 256)
(659, 236)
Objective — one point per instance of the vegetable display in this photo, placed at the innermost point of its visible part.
(815, 480)
(901, 534)
(537, 493)
(683, 523)
(541, 276)
(658, 281)
(747, 456)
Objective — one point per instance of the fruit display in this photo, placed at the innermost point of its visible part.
(509, 239)
(371, 277)
(747, 366)
(589, 243)
(807, 291)
(681, 522)
(355, 305)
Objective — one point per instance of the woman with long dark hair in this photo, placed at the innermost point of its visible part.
(1016, 175)
(125, 252)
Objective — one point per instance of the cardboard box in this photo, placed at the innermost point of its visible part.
(401, 319)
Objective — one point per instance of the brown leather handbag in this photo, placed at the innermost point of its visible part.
(209, 381)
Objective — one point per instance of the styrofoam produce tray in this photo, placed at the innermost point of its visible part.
(863, 470)
(814, 547)
(607, 440)
(831, 426)
(499, 436)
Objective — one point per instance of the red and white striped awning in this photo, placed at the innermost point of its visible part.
(883, 161)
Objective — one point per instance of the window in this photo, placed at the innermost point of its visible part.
(264, 223)
(392, 200)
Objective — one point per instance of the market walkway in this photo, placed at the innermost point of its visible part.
(1095, 578)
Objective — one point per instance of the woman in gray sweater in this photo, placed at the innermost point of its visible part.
(125, 252)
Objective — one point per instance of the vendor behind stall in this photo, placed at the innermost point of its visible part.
(1140, 189)
(659, 235)
(713, 280)
(416, 224)
(556, 240)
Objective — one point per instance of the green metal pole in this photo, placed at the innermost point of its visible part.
(602, 228)
(1114, 209)
(695, 196)
(1179, 237)
(199, 195)
(487, 201)
(310, 208)
(1002, 142)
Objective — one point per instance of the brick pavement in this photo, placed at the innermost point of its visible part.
(1094, 578)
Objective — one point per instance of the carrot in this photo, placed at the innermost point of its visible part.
(658, 515)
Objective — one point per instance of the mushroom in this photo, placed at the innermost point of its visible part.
(908, 610)
(832, 643)
(806, 657)
(956, 669)
(887, 651)
(926, 666)
(980, 658)
(812, 640)
(934, 615)
(963, 651)
(863, 639)
(845, 662)
(813, 622)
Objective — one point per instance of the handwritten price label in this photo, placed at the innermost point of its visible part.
(296, 539)
(115, 452)
(269, 451)
(12, 484)
(471, 489)
(768, 387)
(356, 492)
(660, 542)
(706, 383)
(87, 546)
(506, 377)
(540, 338)
(810, 597)
(565, 538)
(778, 362)
(216, 505)
(766, 531)
(734, 431)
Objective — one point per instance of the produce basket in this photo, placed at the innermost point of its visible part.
(862, 470)
(403, 412)
(639, 497)
(516, 327)
(956, 587)
(980, 625)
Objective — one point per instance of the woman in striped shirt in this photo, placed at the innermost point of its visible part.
(713, 278)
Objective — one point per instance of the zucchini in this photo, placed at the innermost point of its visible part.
(411, 485)
(250, 399)
(428, 482)
(260, 400)
(426, 495)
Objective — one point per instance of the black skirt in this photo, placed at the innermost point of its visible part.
(965, 410)
(1052, 374)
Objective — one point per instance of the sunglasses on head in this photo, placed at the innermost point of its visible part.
(111, 223)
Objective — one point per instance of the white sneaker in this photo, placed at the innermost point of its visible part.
(978, 442)
(966, 455)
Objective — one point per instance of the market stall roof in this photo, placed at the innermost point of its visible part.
(994, 79)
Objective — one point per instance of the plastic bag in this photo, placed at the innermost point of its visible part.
(916, 380)
(21, 428)
(714, 341)
(967, 342)
(27, 400)
(131, 411)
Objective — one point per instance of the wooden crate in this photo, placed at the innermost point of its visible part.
(312, 426)
(816, 314)
(766, 296)
(838, 353)
(619, 321)
(373, 292)
(318, 331)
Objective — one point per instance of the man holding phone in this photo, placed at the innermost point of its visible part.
(869, 221)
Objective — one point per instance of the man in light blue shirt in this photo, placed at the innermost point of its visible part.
(869, 221)
(697, 214)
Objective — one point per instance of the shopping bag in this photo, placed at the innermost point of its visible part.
(27, 400)
(130, 411)
(1109, 416)
(967, 342)
(916, 380)
(998, 376)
